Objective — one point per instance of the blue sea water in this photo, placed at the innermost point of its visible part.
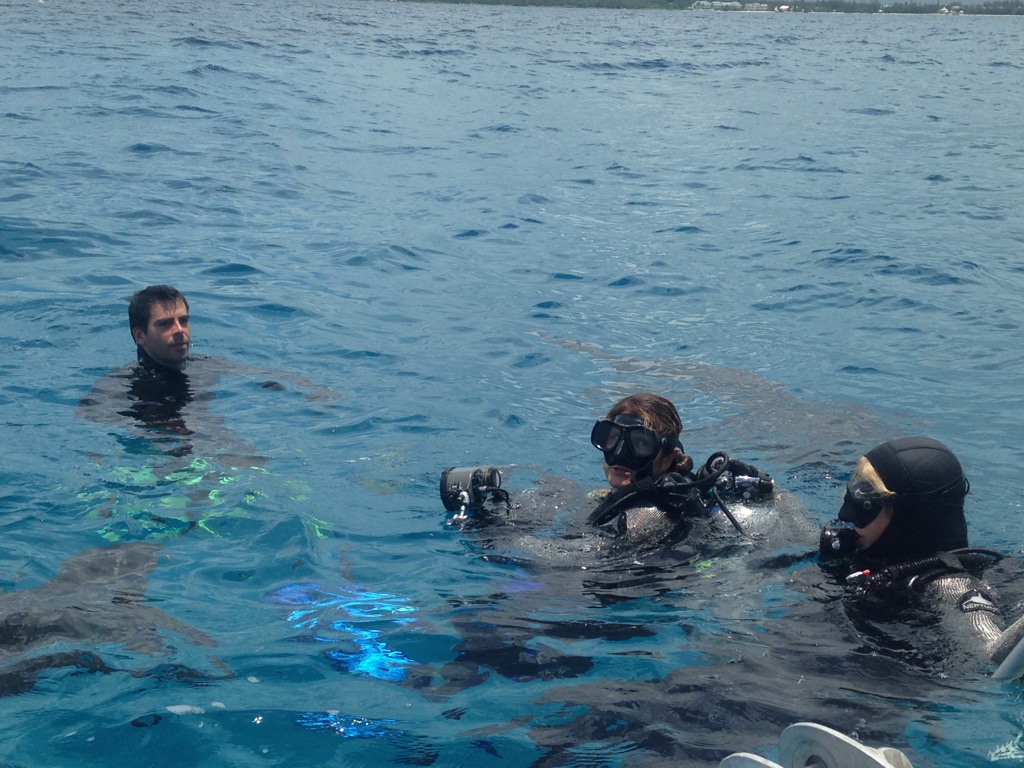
(478, 227)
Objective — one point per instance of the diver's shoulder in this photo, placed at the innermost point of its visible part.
(777, 515)
(112, 381)
(108, 389)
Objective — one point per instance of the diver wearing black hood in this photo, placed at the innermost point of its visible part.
(905, 528)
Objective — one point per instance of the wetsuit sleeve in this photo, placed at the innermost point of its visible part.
(975, 601)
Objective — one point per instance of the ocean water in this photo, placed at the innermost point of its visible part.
(454, 235)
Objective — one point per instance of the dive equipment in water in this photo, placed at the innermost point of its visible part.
(725, 476)
(679, 494)
(955, 560)
(627, 442)
(837, 540)
(735, 478)
(715, 470)
(467, 488)
(919, 466)
(862, 502)
(673, 493)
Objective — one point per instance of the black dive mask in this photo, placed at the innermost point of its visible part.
(862, 503)
(626, 442)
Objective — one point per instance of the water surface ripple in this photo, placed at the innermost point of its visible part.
(479, 226)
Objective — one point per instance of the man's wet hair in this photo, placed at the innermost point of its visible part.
(141, 305)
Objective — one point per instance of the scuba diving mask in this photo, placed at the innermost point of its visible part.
(861, 506)
(862, 502)
(627, 442)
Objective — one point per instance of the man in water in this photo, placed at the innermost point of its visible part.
(161, 403)
(164, 392)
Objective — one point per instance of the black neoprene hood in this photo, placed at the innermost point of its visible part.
(917, 465)
(928, 509)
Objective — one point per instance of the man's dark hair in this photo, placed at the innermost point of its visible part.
(141, 305)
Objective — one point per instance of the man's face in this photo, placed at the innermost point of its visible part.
(166, 338)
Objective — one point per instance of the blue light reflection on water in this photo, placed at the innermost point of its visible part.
(803, 229)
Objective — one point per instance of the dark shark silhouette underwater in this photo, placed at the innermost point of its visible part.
(96, 598)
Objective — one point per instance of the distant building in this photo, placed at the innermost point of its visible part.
(724, 5)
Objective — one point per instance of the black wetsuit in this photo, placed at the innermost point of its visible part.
(157, 394)
(950, 582)
(158, 400)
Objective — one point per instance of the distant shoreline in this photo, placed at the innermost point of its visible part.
(1002, 8)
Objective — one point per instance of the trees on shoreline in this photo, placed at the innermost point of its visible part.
(990, 7)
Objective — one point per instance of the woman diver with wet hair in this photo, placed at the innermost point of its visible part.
(902, 527)
(657, 515)
(655, 492)
(655, 496)
(649, 426)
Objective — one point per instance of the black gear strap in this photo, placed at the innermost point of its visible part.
(673, 492)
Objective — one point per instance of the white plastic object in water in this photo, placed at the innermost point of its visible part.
(747, 760)
(809, 745)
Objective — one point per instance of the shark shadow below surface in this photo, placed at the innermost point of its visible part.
(97, 597)
(895, 680)
(560, 586)
(798, 431)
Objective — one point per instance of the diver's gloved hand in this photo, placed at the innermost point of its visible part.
(738, 467)
(673, 480)
(742, 479)
(734, 467)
